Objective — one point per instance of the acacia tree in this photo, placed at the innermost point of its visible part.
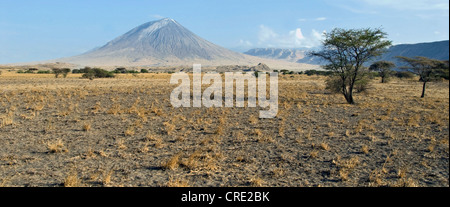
(58, 71)
(346, 51)
(427, 69)
(384, 69)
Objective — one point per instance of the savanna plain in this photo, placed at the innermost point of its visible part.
(123, 131)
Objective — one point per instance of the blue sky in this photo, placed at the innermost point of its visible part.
(32, 30)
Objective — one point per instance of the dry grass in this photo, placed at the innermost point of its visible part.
(56, 147)
(86, 127)
(128, 122)
(177, 182)
(72, 180)
(172, 163)
(365, 149)
(256, 182)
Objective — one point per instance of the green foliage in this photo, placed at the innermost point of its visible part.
(30, 70)
(59, 71)
(92, 73)
(427, 69)
(384, 69)
(144, 71)
(335, 84)
(318, 72)
(404, 74)
(346, 52)
(120, 70)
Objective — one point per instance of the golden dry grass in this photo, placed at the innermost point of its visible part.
(391, 137)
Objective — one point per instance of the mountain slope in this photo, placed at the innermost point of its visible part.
(435, 50)
(291, 55)
(154, 43)
(167, 43)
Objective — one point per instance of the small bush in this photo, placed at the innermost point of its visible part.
(404, 74)
(144, 71)
(120, 70)
(92, 73)
(334, 84)
(318, 72)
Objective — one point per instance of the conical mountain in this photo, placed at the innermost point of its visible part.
(164, 43)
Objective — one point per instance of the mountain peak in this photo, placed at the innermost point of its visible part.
(160, 41)
(163, 42)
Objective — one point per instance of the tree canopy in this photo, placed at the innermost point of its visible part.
(347, 50)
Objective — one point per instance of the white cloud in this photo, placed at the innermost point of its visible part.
(321, 19)
(293, 39)
(157, 16)
(316, 19)
(245, 43)
(265, 34)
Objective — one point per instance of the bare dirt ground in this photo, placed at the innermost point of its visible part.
(124, 132)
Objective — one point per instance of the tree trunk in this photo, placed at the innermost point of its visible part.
(423, 89)
(349, 96)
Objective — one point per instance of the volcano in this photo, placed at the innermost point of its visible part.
(165, 43)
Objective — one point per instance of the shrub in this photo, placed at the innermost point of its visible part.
(89, 76)
(44, 72)
(318, 72)
(92, 73)
(404, 74)
(144, 71)
(120, 70)
(334, 84)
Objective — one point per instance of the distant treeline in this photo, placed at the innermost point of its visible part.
(91, 73)
(398, 74)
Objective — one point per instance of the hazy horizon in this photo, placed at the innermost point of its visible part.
(53, 29)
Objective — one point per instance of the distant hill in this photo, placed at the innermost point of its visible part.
(435, 50)
(291, 55)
